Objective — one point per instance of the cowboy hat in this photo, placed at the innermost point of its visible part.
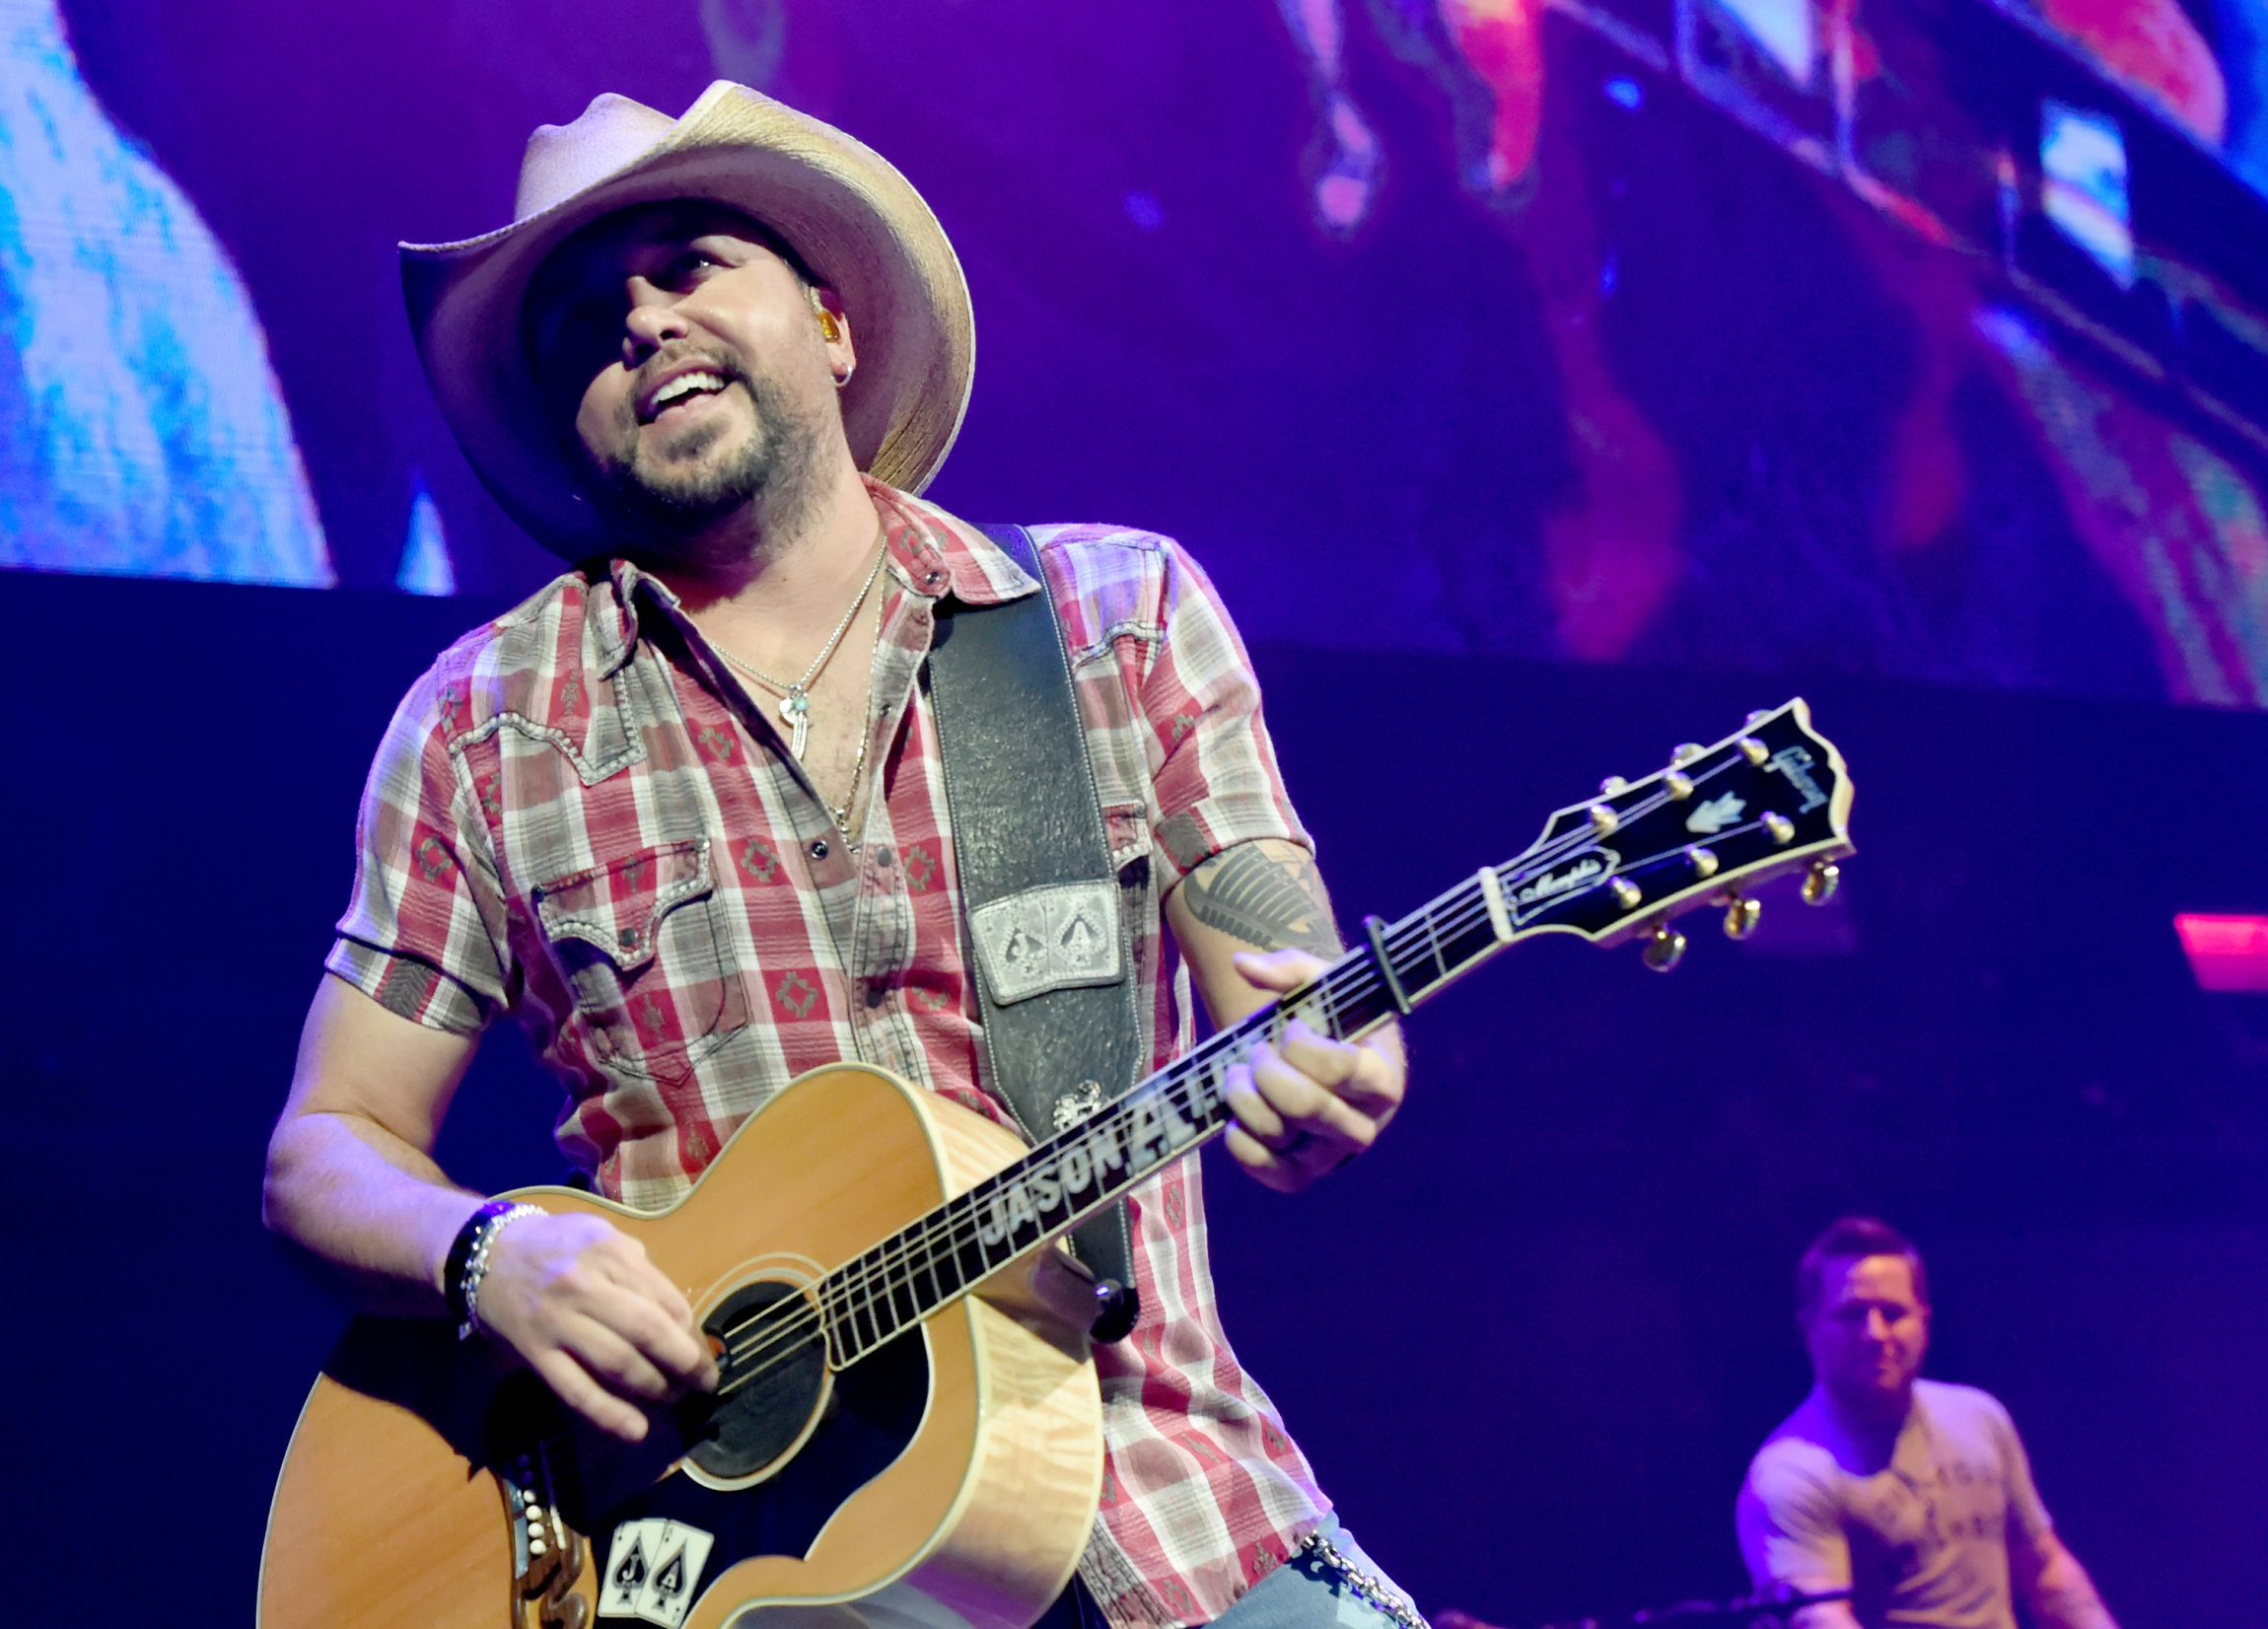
(856, 221)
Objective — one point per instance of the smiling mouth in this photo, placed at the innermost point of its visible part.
(679, 390)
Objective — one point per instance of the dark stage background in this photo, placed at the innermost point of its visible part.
(1530, 1341)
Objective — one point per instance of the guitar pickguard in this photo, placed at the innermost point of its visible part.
(871, 1415)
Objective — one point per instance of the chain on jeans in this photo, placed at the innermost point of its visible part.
(1373, 1592)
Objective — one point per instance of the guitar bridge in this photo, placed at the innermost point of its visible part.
(547, 1555)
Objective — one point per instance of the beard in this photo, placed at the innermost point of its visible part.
(669, 504)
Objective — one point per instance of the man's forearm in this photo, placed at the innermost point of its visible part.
(2063, 1596)
(378, 1212)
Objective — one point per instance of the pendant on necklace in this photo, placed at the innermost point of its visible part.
(796, 710)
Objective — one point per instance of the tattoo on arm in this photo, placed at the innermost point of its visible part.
(1267, 902)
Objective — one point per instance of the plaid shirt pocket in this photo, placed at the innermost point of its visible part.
(639, 941)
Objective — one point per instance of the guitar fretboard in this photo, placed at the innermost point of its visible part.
(1760, 803)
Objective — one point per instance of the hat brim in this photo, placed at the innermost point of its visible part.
(858, 224)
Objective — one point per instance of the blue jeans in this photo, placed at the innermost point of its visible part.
(1304, 1592)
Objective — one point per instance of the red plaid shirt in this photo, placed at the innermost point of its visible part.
(579, 818)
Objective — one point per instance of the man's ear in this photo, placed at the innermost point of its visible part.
(834, 329)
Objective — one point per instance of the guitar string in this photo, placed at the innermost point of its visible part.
(965, 1226)
(1363, 980)
(859, 1287)
(916, 1251)
(897, 1268)
(1468, 907)
(1336, 996)
(856, 1291)
(1188, 1084)
(853, 1289)
(1184, 1083)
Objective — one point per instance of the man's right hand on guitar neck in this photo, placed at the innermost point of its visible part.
(352, 1180)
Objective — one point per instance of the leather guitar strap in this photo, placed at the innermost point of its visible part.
(1050, 946)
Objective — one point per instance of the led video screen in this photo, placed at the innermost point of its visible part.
(1921, 338)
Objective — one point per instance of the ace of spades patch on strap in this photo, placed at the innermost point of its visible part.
(1060, 935)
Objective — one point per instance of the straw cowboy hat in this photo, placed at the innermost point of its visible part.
(857, 223)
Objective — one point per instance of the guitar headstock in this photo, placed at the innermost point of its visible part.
(1770, 798)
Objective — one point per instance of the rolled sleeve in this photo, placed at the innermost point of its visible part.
(1790, 1525)
(423, 933)
(1216, 778)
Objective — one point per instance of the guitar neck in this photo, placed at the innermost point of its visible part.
(1061, 1182)
(1770, 798)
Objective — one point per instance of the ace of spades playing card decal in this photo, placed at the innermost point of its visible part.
(653, 1569)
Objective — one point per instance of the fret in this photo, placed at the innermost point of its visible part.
(866, 1331)
(904, 1303)
(834, 1311)
(1207, 1098)
(963, 1249)
(932, 1258)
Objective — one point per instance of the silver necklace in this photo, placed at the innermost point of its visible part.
(850, 796)
(796, 697)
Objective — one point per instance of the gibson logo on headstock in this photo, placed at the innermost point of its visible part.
(1796, 763)
(1577, 874)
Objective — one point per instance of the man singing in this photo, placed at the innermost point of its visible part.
(693, 816)
(1913, 1496)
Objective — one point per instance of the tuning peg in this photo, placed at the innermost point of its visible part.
(1603, 820)
(1703, 861)
(1626, 893)
(1664, 950)
(1611, 785)
(1757, 717)
(1754, 749)
(1782, 828)
(1685, 752)
(1821, 881)
(1741, 915)
(1678, 785)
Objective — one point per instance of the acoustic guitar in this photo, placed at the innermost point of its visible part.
(903, 1437)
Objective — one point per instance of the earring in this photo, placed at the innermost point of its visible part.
(829, 330)
(843, 379)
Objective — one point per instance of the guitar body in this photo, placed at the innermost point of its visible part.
(947, 1480)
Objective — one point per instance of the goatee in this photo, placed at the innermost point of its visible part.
(664, 509)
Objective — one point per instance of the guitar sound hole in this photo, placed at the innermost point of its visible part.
(771, 1378)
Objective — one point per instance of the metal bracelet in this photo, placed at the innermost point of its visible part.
(476, 1264)
(1373, 1592)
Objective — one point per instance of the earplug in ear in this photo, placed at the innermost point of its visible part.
(829, 330)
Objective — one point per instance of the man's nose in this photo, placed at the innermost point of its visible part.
(653, 321)
(1878, 1327)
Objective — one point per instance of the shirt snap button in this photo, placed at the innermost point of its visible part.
(818, 848)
